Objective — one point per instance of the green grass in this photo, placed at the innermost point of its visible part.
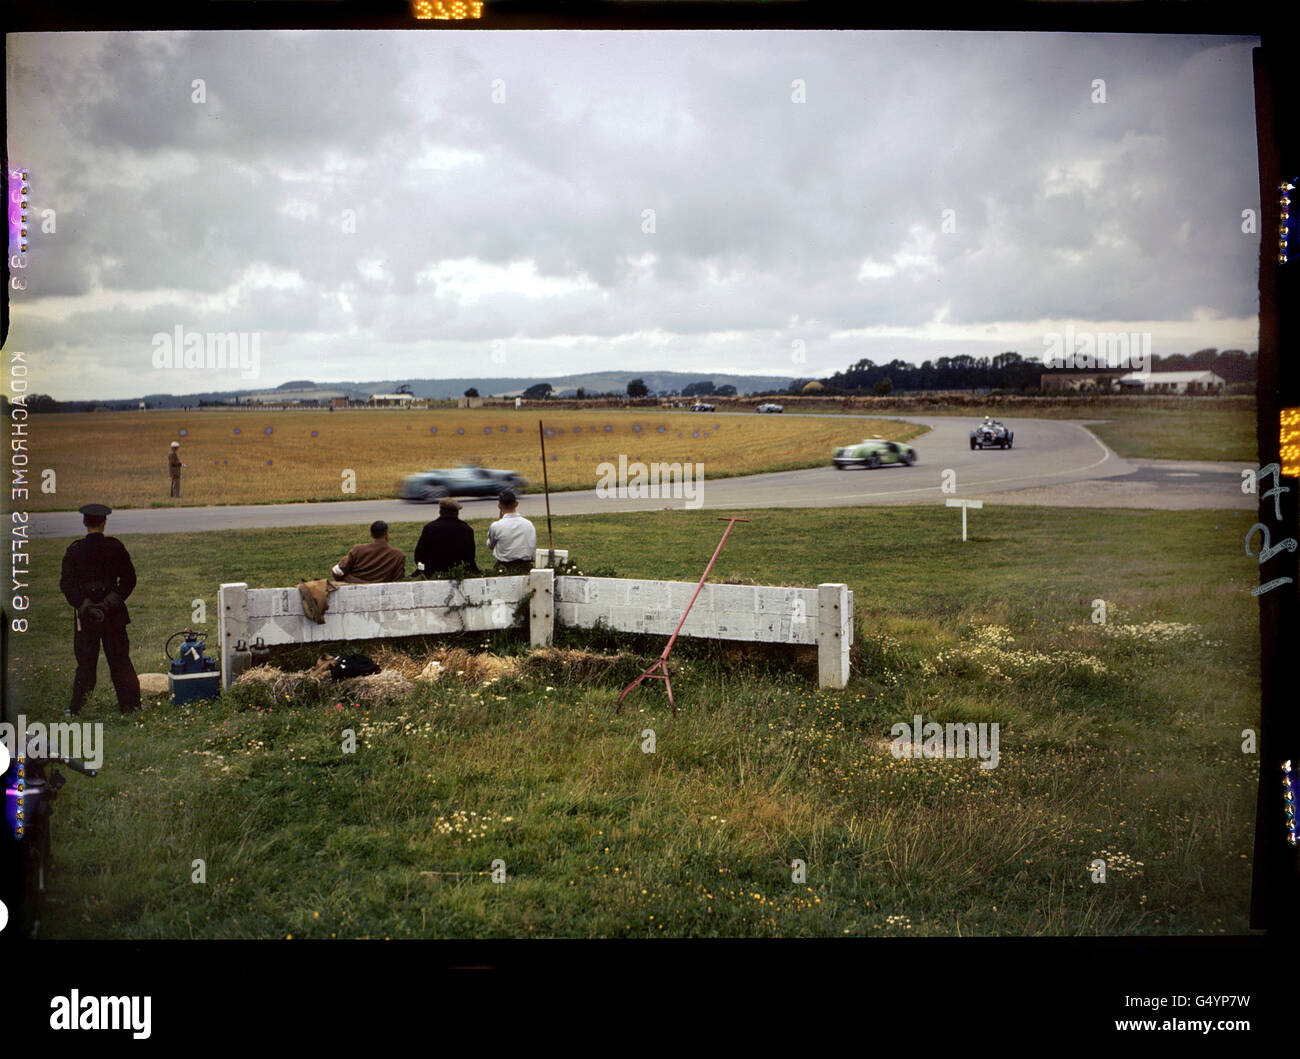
(1211, 434)
(1213, 429)
(1135, 753)
(1143, 427)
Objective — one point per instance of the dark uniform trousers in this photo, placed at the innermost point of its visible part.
(117, 649)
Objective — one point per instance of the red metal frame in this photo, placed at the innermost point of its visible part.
(662, 662)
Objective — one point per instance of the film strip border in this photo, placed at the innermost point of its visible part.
(19, 188)
(1287, 240)
(1288, 802)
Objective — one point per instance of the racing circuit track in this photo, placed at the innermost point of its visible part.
(1053, 462)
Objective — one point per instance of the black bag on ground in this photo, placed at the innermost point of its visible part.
(352, 666)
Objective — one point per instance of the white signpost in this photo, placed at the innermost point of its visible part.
(964, 504)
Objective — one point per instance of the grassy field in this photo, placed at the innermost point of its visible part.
(120, 458)
(253, 457)
(1165, 428)
(1211, 432)
(1119, 741)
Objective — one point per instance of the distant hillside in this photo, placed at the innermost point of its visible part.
(593, 382)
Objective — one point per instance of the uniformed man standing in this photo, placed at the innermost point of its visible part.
(97, 578)
(174, 466)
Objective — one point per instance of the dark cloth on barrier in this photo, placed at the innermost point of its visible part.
(315, 598)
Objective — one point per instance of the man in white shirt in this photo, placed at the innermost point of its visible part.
(512, 538)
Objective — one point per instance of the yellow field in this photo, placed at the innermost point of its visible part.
(120, 458)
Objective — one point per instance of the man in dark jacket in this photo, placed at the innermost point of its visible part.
(446, 543)
(96, 580)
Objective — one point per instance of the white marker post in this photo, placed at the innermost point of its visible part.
(964, 504)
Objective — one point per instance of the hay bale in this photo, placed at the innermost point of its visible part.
(379, 687)
(456, 662)
(258, 675)
(431, 672)
(387, 658)
(399, 673)
(153, 684)
(278, 682)
(487, 667)
(320, 672)
(572, 664)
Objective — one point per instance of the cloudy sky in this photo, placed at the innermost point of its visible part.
(438, 204)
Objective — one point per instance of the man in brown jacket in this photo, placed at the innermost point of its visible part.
(174, 466)
(373, 563)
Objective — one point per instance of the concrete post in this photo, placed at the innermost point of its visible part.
(541, 608)
(542, 557)
(833, 635)
(232, 624)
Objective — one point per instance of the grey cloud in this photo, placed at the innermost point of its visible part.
(1065, 208)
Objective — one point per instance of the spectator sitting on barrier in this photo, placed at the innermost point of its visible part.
(374, 563)
(511, 537)
(446, 544)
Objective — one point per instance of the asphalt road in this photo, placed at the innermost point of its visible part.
(1053, 462)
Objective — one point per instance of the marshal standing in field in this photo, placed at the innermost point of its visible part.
(174, 466)
(97, 578)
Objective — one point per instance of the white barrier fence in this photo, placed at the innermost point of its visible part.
(754, 613)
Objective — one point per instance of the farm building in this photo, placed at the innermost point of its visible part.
(310, 396)
(1172, 382)
(1080, 379)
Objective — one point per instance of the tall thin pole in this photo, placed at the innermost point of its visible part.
(661, 664)
(546, 488)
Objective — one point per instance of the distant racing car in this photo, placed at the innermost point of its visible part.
(873, 452)
(702, 406)
(458, 481)
(991, 434)
(769, 408)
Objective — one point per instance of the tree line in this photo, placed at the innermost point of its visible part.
(1009, 371)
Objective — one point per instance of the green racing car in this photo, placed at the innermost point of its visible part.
(873, 452)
